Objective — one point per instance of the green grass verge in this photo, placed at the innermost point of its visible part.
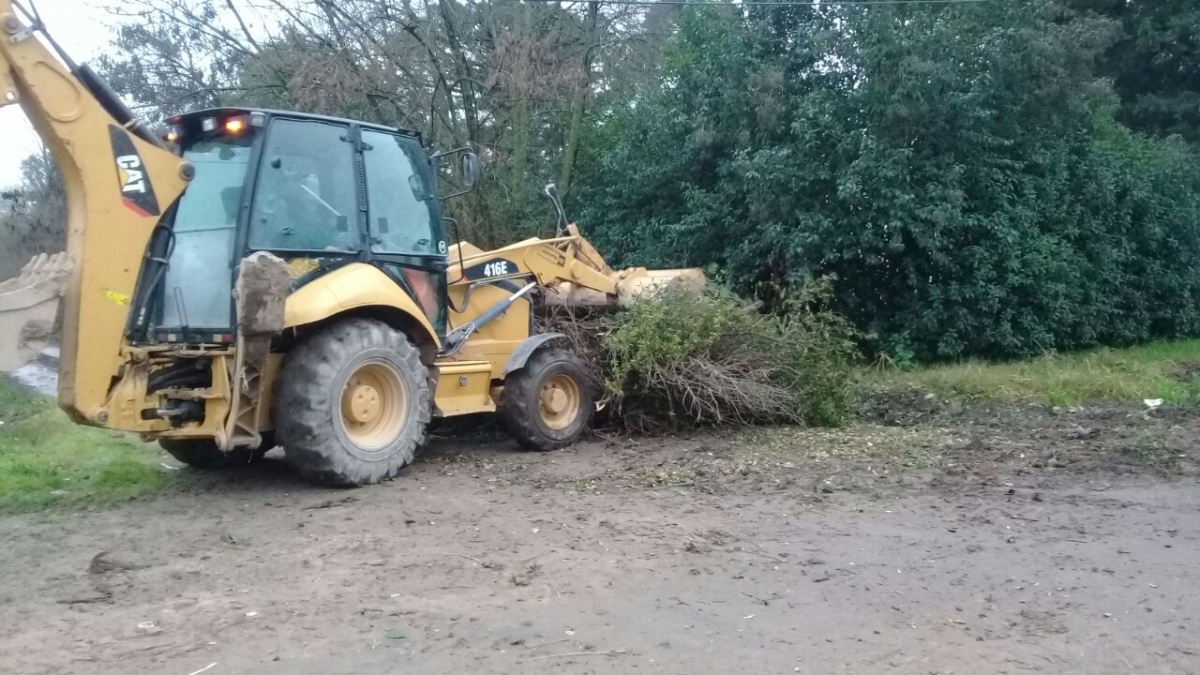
(1166, 370)
(46, 460)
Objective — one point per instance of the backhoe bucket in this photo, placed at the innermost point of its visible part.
(29, 307)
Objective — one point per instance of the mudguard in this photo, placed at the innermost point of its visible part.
(353, 286)
(526, 349)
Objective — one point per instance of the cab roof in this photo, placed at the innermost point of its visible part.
(291, 114)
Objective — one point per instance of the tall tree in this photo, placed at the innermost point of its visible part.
(1154, 61)
(1156, 66)
(581, 93)
(508, 78)
(35, 220)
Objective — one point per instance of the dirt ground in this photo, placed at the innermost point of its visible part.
(930, 537)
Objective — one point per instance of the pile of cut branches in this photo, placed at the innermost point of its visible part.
(679, 357)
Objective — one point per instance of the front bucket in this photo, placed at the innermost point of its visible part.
(631, 283)
(29, 307)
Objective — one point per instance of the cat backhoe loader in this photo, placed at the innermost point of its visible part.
(253, 277)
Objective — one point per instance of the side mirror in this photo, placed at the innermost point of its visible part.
(560, 228)
(468, 169)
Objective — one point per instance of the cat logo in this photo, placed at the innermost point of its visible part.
(129, 168)
(137, 192)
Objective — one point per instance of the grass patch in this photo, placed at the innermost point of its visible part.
(46, 460)
(1166, 370)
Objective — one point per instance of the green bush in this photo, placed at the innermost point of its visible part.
(708, 358)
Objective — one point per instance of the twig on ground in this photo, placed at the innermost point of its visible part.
(1016, 517)
(663, 486)
(611, 652)
(477, 561)
(768, 557)
(330, 503)
(547, 644)
(107, 597)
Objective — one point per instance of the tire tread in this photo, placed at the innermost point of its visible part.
(305, 400)
(522, 417)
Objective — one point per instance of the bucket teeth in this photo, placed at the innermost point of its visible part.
(29, 307)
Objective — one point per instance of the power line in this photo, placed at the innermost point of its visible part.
(769, 3)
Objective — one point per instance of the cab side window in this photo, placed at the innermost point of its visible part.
(399, 196)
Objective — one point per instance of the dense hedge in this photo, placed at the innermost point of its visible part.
(957, 168)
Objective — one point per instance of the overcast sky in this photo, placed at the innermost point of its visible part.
(82, 27)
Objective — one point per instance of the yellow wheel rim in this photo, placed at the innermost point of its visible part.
(374, 405)
(559, 401)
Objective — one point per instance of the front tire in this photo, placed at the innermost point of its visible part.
(548, 404)
(352, 403)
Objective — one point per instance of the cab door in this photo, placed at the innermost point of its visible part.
(404, 219)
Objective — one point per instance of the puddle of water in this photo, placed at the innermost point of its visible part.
(42, 374)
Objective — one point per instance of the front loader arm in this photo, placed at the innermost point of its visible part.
(118, 186)
(569, 269)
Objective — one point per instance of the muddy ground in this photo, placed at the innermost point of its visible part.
(931, 537)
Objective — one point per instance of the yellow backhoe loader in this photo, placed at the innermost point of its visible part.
(253, 277)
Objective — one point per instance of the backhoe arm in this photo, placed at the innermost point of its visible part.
(118, 187)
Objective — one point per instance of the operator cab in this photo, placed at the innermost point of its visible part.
(320, 192)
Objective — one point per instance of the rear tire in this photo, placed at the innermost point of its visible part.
(352, 403)
(203, 453)
(548, 404)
